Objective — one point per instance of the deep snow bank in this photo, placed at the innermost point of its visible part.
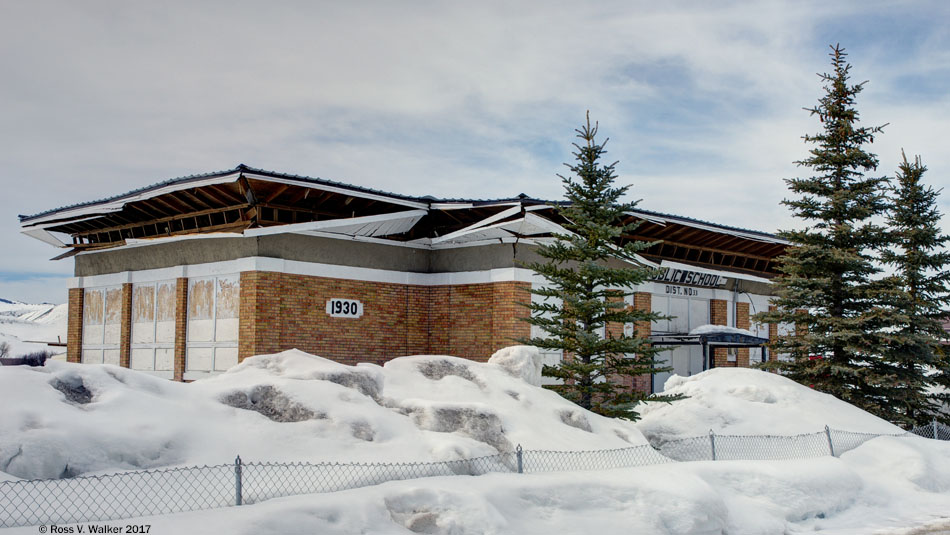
(65, 419)
(744, 401)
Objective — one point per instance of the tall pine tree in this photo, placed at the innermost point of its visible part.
(826, 283)
(584, 291)
(915, 360)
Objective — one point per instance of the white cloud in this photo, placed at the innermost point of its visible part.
(472, 99)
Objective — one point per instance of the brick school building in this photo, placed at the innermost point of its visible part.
(187, 277)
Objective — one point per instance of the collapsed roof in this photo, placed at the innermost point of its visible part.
(252, 202)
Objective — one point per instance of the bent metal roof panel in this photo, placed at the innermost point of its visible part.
(250, 201)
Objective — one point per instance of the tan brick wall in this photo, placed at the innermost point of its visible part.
(418, 324)
(285, 311)
(509, 313)
(74, 325)
(719, 315)
(181, 326)
(643, 301)
(259, 331)
(125, 326)
(743, 322)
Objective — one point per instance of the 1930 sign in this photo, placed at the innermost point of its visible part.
(344, 308)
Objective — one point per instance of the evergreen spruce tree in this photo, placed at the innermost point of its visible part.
(585, 290)
(915, 360)
(826, 285)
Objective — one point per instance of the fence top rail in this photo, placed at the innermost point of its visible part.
(612, 450)
(376, 464)
(149, 471)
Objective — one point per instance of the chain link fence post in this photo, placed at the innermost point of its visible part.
(712, 443)
(936, 435)
(831, 445)
(238, 499)
(520, 454)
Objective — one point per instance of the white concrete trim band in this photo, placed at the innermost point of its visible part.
(294, 267)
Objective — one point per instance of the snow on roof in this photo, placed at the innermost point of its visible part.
(717, 329)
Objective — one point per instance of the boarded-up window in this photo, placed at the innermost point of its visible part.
(102, 313)
(153, 327)
(213, 323)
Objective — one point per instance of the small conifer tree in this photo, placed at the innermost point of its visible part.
(586, 286)
(915, 361)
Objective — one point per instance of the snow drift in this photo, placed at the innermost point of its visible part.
(742, 401)
(66, 419)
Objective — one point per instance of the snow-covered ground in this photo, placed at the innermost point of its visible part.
(74, 419)
(66, 419)
(21, 323)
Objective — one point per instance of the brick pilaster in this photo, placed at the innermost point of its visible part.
(74, 325)
(719, 315)
(508, 313)
(773, 334)
(181, 326)
(125, 326)
(262, 311)
(743, 322)
(643, 301)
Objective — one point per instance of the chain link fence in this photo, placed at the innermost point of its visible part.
(934, 429)
(174, 490)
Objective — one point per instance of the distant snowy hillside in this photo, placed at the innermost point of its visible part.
(23, 322)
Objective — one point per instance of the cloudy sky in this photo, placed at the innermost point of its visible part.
(702, 105)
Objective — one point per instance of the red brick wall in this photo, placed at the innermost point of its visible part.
(74, 325)
(719, 315)
(285, 311)
(743, 322)
(125, 326)
(181, 324)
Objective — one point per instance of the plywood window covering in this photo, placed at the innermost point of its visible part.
(213, 305)
(153, 327)
(102, 313)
